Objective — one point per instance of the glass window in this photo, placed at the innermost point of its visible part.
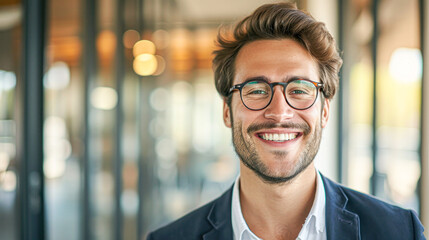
(398, 98)
(164, 115)
(63, 121)
(10, 69)
(399, 74)
(358, 82)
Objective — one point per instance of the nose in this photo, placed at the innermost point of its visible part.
(278, 110)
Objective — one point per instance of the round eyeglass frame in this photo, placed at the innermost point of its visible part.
(240, 86)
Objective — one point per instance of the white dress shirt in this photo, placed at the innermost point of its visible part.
(314, 227)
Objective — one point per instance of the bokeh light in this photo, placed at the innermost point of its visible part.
(57, 147)
(8, 181)
(161, 65)
(104, 98)
(159, 99)
(130, 38)
(144, 47)
(4, 161)
(54, 168)
(406, 65)
(145, 64)
(7, 80)
(58, 76)
(106, 45)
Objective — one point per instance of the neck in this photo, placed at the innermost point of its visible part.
(276, 211)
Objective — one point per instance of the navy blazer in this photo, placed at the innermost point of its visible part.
(349, 215)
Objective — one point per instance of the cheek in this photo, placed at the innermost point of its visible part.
(241, 116)
(313, 117)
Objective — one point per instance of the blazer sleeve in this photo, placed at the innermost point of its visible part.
(418, 227)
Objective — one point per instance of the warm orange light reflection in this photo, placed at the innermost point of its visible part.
(106, 44)
(204, 46)
(182, 54)
(130, 38)
(144, 47)
(145, 64)
(66, 49)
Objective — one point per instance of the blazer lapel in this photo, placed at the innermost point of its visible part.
(340, 223)
(220, 218)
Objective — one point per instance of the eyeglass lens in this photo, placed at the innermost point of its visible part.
(300, 94)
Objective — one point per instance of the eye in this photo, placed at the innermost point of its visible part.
(301, 88)
(298, 92)
(256, 89)
(258, 92)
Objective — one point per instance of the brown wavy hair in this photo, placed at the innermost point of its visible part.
(277, 21)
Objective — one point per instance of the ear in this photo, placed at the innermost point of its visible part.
(325, 113)
(226, 114)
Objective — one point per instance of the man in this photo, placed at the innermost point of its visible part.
(277, 76)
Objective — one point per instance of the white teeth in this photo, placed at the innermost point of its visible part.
(278, 137)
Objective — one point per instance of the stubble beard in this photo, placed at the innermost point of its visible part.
(249, 157)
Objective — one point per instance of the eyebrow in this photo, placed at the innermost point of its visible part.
(258, 78)
(264, 78)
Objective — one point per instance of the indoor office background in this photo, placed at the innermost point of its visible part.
(110, 125)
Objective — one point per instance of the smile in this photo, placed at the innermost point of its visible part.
(278, 137)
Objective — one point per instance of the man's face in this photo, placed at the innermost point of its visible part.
(279, 160)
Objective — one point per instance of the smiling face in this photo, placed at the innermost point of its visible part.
(277, 142)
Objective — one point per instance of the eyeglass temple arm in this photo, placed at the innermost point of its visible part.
(234, 88)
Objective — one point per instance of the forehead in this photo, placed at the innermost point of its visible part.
(275, 60)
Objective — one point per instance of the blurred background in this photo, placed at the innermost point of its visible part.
(110, 125)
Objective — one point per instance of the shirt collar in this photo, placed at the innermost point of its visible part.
(317, 212)
(318, 209)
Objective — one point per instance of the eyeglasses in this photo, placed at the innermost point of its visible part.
(256, 95)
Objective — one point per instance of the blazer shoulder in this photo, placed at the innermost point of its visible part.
(377, 214)
(192, 225)
(364, 203)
